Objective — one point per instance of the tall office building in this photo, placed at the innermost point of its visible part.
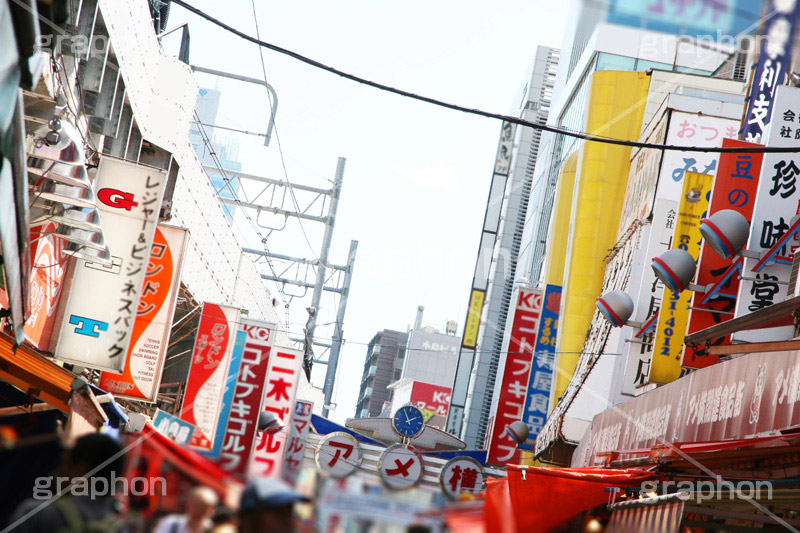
(213, 150)
(533, 105)
(383, 365)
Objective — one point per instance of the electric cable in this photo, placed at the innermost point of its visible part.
(278, 140)
(472, 111)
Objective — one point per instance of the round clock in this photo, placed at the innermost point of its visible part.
(408, 421)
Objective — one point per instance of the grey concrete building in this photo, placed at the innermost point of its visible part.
(383, 365)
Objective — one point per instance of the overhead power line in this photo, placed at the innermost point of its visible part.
(507, 118)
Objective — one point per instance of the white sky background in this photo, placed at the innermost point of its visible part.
(417, 176)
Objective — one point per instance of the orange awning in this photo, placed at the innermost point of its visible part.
(35, 374)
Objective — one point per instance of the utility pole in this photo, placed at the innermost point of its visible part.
(338, 333)
(313, 311)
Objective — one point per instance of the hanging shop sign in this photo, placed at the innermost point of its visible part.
(461, 475)
(400, 467)
(296, 444)
(47, 284)
(537, 399)
(646, 291)
(764, 280)
(227, 396)
(205, 384)
(141, 377)
(516, 377)
(338, 455)
(280, 390)
(96, 331)
(772, 67)
(735, 188)
(173, 427)
(247, 397)
(674, 313)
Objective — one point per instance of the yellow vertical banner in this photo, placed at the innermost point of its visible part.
(470, 338)
(673, 316)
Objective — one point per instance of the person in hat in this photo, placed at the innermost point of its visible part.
(267, 504)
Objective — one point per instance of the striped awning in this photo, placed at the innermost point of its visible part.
(653, 518)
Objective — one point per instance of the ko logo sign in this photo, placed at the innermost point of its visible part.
(117, 198)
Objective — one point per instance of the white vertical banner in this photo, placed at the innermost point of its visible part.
(296, 446)
(280, 389)
(103, 300)
(148, 348)
(776, 204)
(688, 129)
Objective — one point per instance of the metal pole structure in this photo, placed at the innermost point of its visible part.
(313, 311)
(336, 344)
(273, 104)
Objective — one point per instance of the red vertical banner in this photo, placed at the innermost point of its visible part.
(280, 390)
(148, 348)
(248, 395)
(205, 385)
(735, 189)
(510, 396)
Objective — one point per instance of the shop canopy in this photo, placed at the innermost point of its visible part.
(539, 499)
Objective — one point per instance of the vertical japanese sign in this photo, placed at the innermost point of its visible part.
(227, 396)
(646, 291)
(47, 282)
(538, 396)
(513, 387)
(247, 397)
(96, 330)
(473, 318)
(734, 189)
(674, 313)
(687, 129)
(774, 60)
(775, 205)
(296, 445)
(279, 395)
(148, 348)
(205, 384)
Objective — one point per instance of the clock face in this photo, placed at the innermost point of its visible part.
(408, 421)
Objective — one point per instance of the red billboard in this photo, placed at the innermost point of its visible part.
(205, 385)
(734, 188)
(247, 397)
(47, 281)
(510, 395)
(432, 398)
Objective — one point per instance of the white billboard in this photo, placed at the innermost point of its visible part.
(103, 300)
(776, 204)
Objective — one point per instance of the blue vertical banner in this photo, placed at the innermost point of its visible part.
(544, 353)
(227, 395)
(773, 64)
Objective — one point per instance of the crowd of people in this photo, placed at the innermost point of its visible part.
(96, 459)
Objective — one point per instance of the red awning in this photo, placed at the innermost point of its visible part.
(190, 463)
(539, 499)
